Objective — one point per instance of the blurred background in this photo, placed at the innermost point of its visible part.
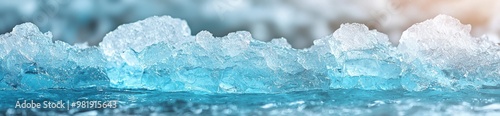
(300, 21)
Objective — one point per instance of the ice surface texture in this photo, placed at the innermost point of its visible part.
(159, 53)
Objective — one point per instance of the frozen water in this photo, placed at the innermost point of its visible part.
(135, 37)
(438, 69)
(335, 102)
(443, 50)
(159, 53)
(30, 60)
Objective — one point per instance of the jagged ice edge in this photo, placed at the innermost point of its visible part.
(159, 53)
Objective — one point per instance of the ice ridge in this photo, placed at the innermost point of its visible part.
(159, 53)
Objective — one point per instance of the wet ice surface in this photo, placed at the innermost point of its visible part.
(437, 67)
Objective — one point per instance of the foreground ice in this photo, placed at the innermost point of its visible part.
(159, 53)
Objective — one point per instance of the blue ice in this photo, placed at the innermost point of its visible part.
(159, 53)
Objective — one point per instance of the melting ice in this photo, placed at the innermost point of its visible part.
(159, 53)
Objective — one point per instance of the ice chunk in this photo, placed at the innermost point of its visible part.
(443, 51)
(134, 37)
(30, 60)
(441, 41)
(123, 45)
(365, 58)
